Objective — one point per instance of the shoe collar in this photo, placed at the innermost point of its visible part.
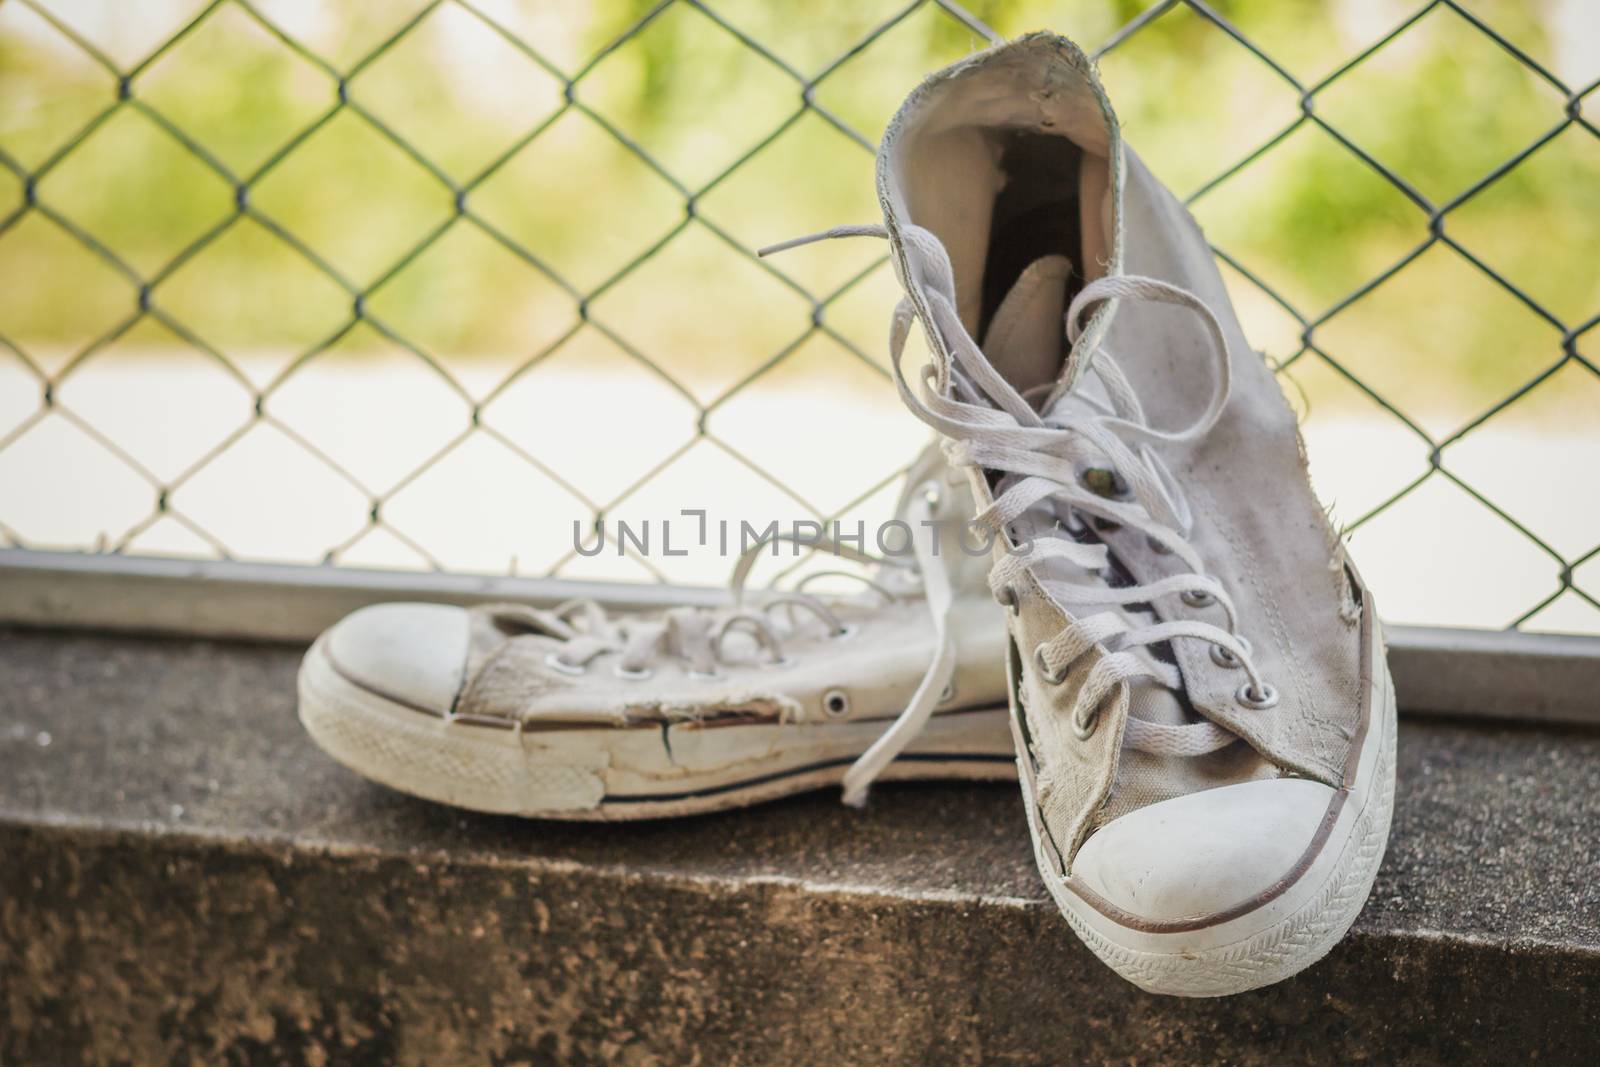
(935, 153)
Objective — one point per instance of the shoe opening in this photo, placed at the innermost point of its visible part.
(1007, 163)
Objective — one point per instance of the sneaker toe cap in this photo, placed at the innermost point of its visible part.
(413, 653)
(1204, 853)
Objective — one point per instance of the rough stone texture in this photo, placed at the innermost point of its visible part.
(185, 879)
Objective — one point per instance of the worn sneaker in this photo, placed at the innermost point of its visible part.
(1201, 701)
(578, 714)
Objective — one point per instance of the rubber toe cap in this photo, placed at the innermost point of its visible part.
(1205, 853)
(415, 654)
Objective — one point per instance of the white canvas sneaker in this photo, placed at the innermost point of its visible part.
(577, 714)
(1203, 711)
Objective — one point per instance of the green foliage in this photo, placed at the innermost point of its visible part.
(1442, 107)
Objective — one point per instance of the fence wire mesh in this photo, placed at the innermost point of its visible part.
(458, 179)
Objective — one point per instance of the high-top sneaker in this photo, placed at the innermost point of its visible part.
(575, 713)
(1204, 717)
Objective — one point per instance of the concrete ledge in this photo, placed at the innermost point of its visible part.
(187, 880)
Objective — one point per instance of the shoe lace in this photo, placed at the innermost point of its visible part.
(697, 636)
(1083, 456)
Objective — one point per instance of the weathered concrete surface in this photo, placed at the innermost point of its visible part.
(185, 879)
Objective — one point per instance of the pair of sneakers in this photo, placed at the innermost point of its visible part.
(1168, 647)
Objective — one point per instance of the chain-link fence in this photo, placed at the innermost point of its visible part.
(49, 175)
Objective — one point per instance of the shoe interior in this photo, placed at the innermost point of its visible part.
(1035, 214)
(1006, 174)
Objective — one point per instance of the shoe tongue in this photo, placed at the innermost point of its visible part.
(1026, 343)
(1151, 702)
(1026, 338)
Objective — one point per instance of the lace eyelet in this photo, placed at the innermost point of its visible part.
(704, 676)
(639, 675)
(1249, 698)
(1104, 482)
(1197, 598)
(1084, 730)
(1158, 547)
(836, 702)
(780, 663)
(947, 694)
(1044, 668)
(845, 632)
(1006, 597)
(556, 663)
(1224, 658)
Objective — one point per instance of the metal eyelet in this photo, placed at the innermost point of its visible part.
(1249, 698)
(836, 702)
(1197, 598)
(1104, 482)
(1006, 597)
(845, 632)
(556, 663)
(1084, 730)
(1224, 657)
(1044, 668)
(633, 676)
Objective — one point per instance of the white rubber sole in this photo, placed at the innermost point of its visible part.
(1279, 938)
(619, 773)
